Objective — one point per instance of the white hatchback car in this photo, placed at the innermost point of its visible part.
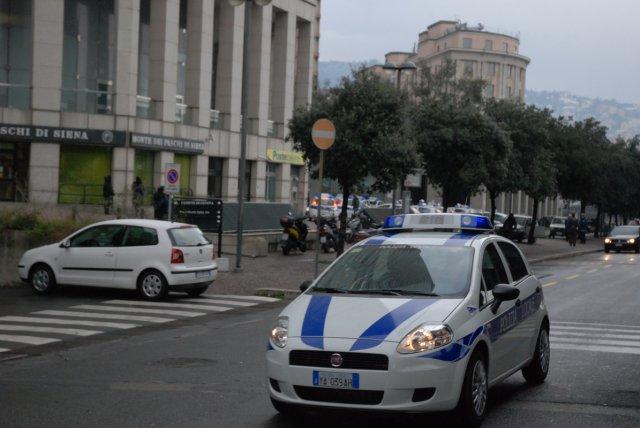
(425, 317)
(151, 256)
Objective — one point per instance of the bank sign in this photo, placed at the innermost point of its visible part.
(158, 142)
(11, 132)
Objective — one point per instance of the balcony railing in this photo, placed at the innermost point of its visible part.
(87, 101)
(15, 95)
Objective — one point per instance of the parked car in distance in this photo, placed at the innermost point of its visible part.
(557, 227)
(151, 256)
(623, 238)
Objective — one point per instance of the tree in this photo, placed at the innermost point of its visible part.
(371, 135)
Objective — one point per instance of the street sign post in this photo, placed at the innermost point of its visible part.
(323, 135)
(171, 183)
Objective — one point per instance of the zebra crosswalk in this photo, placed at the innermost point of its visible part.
(595, 337)
(86, 320)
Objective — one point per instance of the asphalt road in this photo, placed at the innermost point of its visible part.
(208, 370)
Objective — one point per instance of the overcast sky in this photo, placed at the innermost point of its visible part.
(588, 47)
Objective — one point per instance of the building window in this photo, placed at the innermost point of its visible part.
(488, 45)
(89, 49)
(181, 83)
(297, 189)
(82, 173)
(489, 91)
(505, 47)
(467, 43)
(438, 48)
(522, 74)
(143, 167)
(247, 179)
(509, 91)
(14, 171)
(15, 53)
(143, 104)
(491, 69)
(184, 160)
(215, 119)
(270, 187)
(214, 189)
(467, 68)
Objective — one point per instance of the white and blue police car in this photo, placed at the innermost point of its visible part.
(424, 317)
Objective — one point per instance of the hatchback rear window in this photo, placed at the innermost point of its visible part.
(188, 237)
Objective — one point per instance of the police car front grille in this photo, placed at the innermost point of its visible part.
(350, 360)
(342, 396)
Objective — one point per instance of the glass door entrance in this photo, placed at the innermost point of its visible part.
(7, 176)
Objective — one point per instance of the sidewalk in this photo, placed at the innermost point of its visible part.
(278, 272)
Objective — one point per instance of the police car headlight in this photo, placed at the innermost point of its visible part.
(607, 241)
(280, 332)
(425, 338)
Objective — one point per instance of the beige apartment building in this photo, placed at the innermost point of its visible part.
(480, 54)
(91, 88)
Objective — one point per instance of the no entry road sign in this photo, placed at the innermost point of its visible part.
(323, 134)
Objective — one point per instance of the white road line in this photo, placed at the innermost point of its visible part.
(34, 320)
(549, 284)
(590, 341)
(572, 277)
(637, 327)
(600, 335)
(593, 329)
(105, 316)
(167, 305)
(219, 302)
(592, 271)
(596, 329)
(595, 348)
(31, 340)
(232, 296)
(4, 350)
(138, 310)
(608, 266)
(38, 329)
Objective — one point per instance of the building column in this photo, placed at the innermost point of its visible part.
(163, 66)
(283, 184)
(259, 69)
(304, 67)
(229, 75)
(126, 87)
(199, 61)
(199, 175)
(46, 74)
(44, 173)
(230, 170)
(122, 167)
(282, 68)
(160, 160)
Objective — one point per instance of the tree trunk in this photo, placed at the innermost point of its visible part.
(596, 231)
(342, 232)
(534, 218)
(583, 206)
(493, 197)
(616, 221)
(625, 219)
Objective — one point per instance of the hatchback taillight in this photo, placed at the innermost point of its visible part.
(176, 256)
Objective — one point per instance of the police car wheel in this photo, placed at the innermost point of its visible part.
(475, 391)
(537, 370)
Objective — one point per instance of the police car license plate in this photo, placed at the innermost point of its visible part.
(203, 274)
(323, 239)
(336, 380)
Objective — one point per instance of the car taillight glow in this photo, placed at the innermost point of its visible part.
(176, 256)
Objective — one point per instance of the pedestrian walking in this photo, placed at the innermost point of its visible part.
(138, 198)
(583, 229)
(107, 194)
(160, 204)
(571, 229)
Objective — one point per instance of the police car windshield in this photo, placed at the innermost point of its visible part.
(427, 270)
(625, 230)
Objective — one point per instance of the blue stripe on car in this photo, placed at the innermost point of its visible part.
(457, 350)
(459, 239)
(514, 316)
(379, 330)
(376, 241)
(314, 318)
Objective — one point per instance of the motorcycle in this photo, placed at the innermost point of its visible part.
(359, 221)
(328, 234)
(294, 235)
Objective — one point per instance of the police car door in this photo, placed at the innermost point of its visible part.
(527, 305)
(496, 325)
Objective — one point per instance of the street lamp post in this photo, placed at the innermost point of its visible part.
(398, 69)
(243, 111)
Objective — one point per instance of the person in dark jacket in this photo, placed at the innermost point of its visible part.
(107, 194)
(583, 229)
(160, 204)
(571, 229)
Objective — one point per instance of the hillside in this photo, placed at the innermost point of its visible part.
(621, 118)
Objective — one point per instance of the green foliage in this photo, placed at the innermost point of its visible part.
(38, 230)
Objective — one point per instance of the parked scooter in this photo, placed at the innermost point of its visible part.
(294, 235)
(360, 220)
(328, 234)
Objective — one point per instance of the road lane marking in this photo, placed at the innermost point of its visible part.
(105, 316)
(138, 310)
(38, 329)
(587, 340)
(607, 266)
(4, 350)
(601, 335)
(612, 330)
(592, 271)
(219, 302)
(550, 284)
(30, 340)
(167, 305)
(596, 348)
(572, 277)
(596, 324)
(41, 320)
(233, 296)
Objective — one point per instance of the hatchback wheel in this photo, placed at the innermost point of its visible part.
(42, 279)
(475, 391)
(537, 370)
(152, 285)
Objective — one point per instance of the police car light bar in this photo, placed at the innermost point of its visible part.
(443, 221)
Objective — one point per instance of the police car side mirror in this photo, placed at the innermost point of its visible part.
(305, 285)
(503, 293)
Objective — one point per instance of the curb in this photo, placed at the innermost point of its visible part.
(563, 256)
(277, 292)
